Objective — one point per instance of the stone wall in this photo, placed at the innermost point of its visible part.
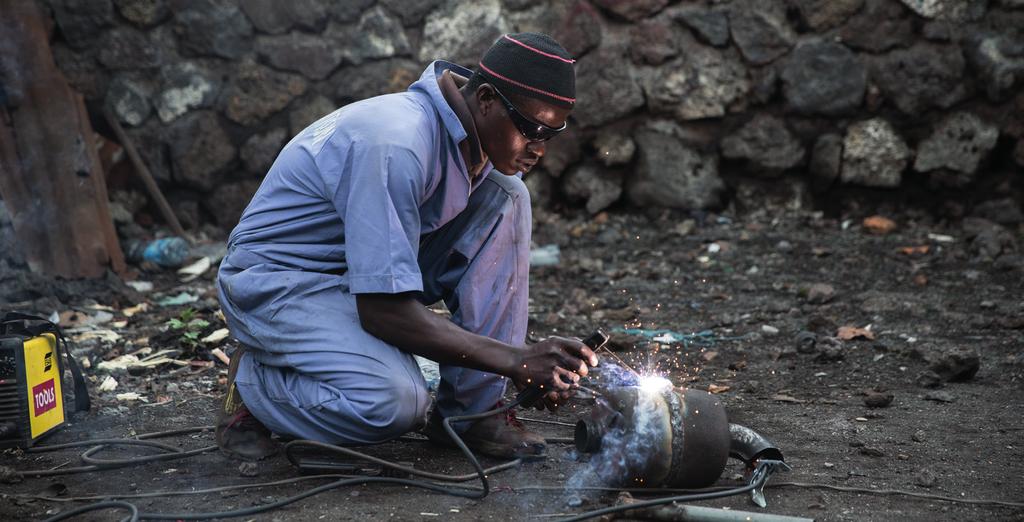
(682, 104)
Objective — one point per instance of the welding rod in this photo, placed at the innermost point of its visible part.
(686, 513)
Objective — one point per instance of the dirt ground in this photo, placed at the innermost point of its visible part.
(934, 296)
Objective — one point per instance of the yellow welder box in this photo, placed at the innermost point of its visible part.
(31, 395)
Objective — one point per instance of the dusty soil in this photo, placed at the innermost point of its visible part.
(749, 282)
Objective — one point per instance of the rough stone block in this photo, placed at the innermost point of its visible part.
(703, 82)
(671, 173)
(760, 30)
(874, 155)
(597, 186)
(603, 93)
(260, 150)
(276, 16)
(462, 32)
(200, 149)
(256, 92)
(211, 28)
(766, 143)
(823, 78)
(922, 77)
(185, 86)
(959, 142)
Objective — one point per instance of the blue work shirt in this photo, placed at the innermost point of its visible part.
(353, 193)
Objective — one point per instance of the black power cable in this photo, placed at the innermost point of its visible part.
(447, 487)
(97, 445)
(525, 397)
(107, 504)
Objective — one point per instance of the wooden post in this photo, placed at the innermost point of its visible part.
(50, 175)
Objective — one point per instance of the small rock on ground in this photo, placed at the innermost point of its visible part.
(939, 396)
(925, 478)
(878, 399)
(959, 364)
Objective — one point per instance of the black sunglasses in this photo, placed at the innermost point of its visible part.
(530, 129)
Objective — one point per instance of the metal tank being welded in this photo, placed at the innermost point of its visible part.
(652, 434)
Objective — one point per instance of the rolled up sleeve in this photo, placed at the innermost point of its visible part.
(382, 220)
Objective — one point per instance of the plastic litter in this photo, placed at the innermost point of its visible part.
(547, 255)
(178, 300)
(194, 270)
(168, 252)
(431, 372)
(704, 338)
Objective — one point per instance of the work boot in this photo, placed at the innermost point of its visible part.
(501, 435)
(239, 433)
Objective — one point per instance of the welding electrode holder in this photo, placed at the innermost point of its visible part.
(532, 394)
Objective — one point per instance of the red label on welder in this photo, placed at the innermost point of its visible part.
(45, 397)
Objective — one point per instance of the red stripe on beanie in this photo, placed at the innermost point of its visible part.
(538, 51)
(525, 86)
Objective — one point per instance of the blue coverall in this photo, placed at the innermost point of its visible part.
(373, 198)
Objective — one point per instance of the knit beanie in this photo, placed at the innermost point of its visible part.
(533, 65)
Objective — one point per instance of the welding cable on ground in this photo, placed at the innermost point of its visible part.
(336, 476)
(450, 489)
(96, 445)
(108, 504)
(290, 448)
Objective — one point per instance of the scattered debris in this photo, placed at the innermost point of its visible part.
(132, 310)
(76, 319)
(925, 478)
(703, 338)
(941, 238)
(879, 225)
(959, 364)
(914, 250)
(217, 336)
(805, 342)
(871, 452)
(819, 293)
(108, 384)
(878, 399)
(248, 469)
(781, 397)
(140, 286)
(117, 364)
(830, 349)
(194, 270)
(939, 396)
(8, 475)
(848, 333)
(182, 298)
(107, 336)
(547, 255)
(715, 388)
(168, 252)
(928, 379)
(220, 355)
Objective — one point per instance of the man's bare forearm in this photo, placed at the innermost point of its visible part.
(402, 321)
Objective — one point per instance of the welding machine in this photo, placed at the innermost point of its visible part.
(31, 379)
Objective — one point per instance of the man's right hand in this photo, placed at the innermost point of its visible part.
(554, 364)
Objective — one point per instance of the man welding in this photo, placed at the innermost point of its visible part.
(370, 214)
